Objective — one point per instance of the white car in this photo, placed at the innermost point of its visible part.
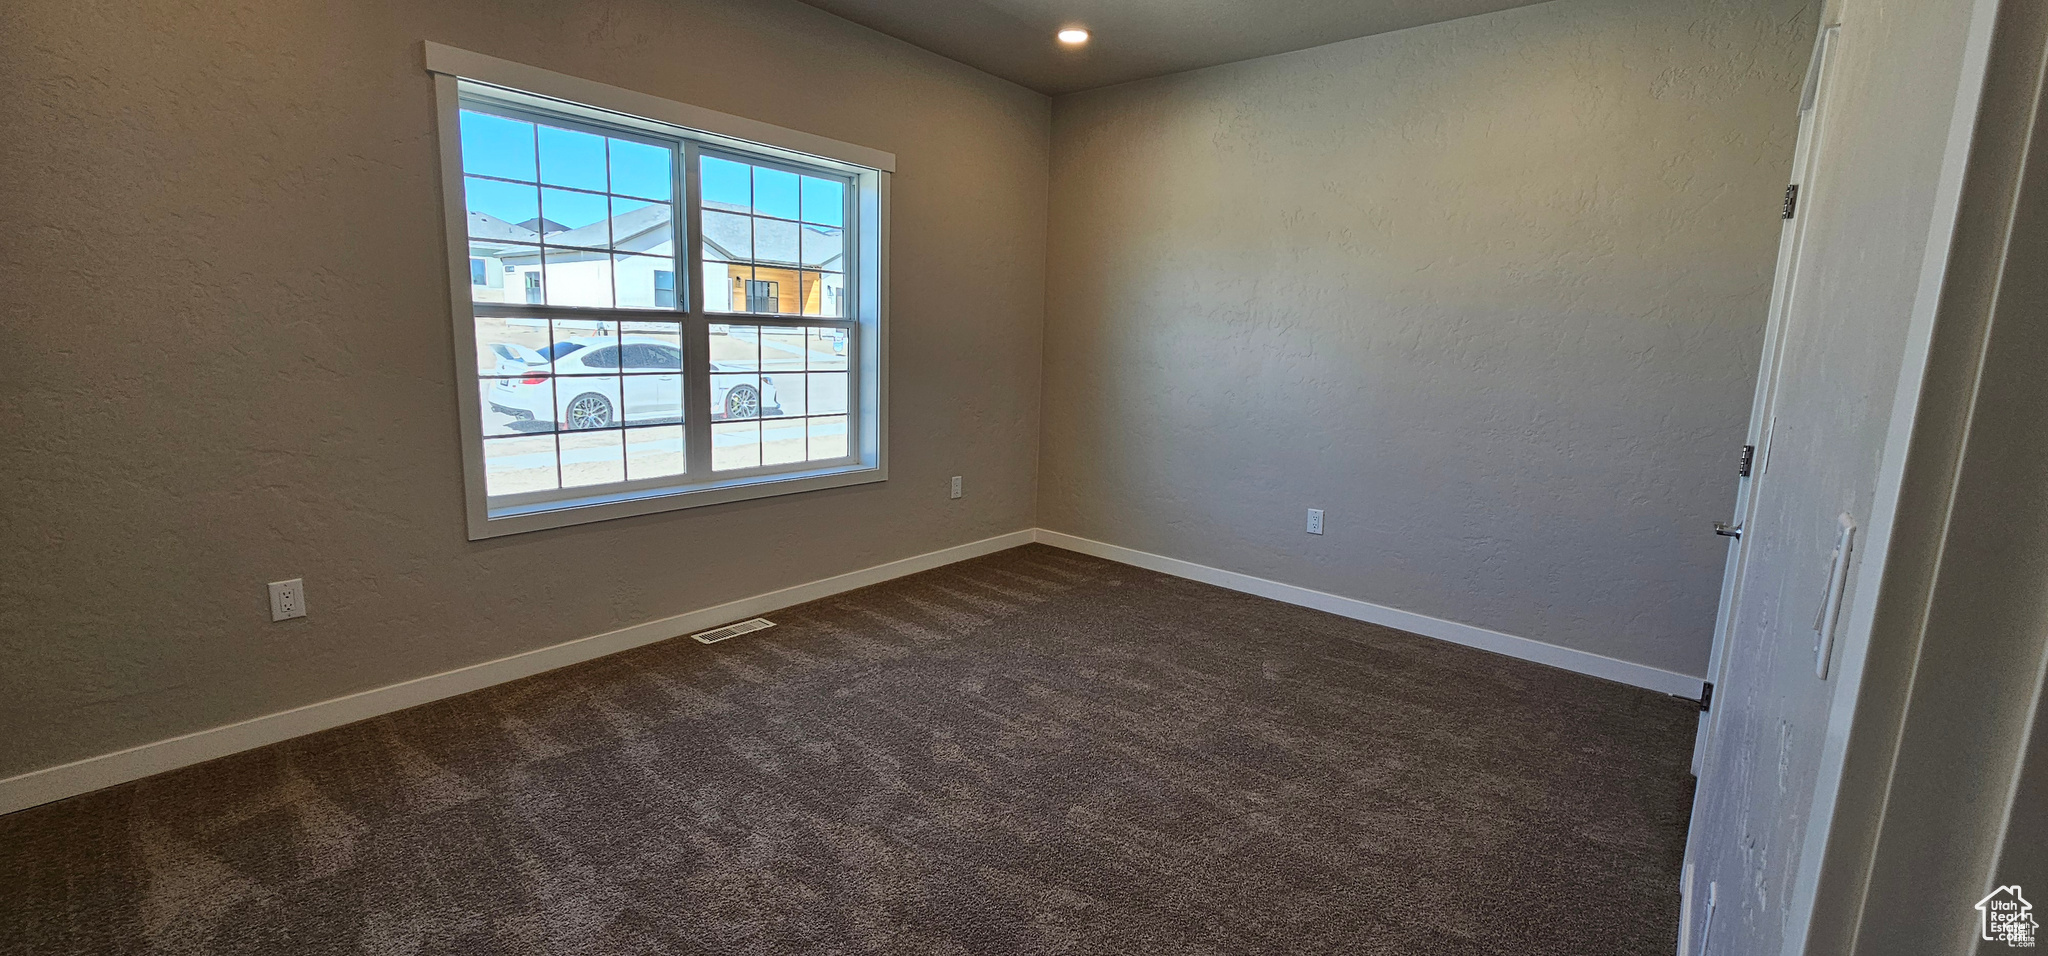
(583, 390)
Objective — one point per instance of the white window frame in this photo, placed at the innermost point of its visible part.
(459, 74)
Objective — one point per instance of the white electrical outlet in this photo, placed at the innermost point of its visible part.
(956, 486)
(1315, 521)
(287, 599)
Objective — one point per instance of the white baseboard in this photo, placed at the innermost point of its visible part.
(1583, 662)
(93, 773)
(134, 763)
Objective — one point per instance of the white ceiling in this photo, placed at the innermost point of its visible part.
(1134, 39)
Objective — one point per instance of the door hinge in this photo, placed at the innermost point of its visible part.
(1791, 199)
(1748, 459)
(1706, 696)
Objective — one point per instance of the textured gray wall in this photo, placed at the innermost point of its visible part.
(1491, 292)
(229, 357)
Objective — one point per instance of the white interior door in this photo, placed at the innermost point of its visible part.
(1784, 288)
(1789, 574)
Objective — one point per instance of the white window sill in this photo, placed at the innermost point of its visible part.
(603, 506)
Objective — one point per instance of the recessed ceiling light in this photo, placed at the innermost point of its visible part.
(1073, 35)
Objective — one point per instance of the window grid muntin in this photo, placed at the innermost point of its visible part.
(698, 468)
(848, 231)
(689, 312)
(538, 118)
(845, 294)
(623, 419)
(805, 373)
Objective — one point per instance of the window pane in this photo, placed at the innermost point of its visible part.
(516, 465)
(827, 348)
(593, 458)
(504, 272)
(653, 398)
(588, 402)
(496, 146)
(727, 186)
(653, 347)
(736, 396)
(574, 219)
(766, 291)
(654, 452)
(651, 363)
(665, 293)
(574, 341)
(811, 300)
(828, 438)
(789, 394)
(736, 349)
(571, 158)
(725, 285)
(824, 201)
(824, 294)
(823, 247)
(576, 277)
(511, 346)
(645, 282)
(727, 237)
(773, 290)
(642, 227)
(827, 393)
(518, 406)
(501, 210)
(775, 242)
(783, 441)
(782, 350)
(639, 169)
(775, 193)
(735, 445)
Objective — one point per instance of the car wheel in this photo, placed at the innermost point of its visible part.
(742, 402)
(590, 410)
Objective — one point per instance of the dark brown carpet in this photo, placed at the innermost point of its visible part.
(1034, 752)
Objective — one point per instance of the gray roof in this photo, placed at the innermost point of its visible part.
(488, 227)
(635, 231)
(732, 239)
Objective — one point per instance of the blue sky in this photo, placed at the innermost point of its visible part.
(774, 192)
(497, 146)
(512, 149)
